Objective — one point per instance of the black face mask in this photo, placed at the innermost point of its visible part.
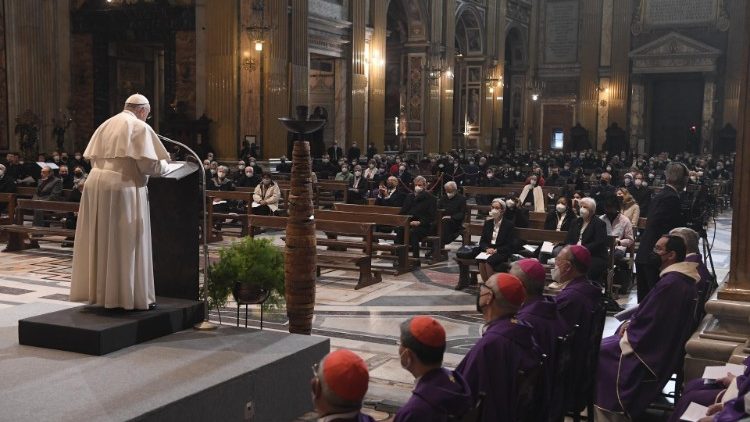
(655, 259)
(479, 308)
(612, 215)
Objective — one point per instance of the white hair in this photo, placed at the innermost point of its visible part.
(587, 200)
(451, 185)
(689, 236)
(500, 201)
(419, 179)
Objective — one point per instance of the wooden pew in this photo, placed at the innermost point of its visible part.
(18, 232)
(8, 200)
(349, 260)
(244, 196)
(328, 189)
(437, 252)
(399, 253)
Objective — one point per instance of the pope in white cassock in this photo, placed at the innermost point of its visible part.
(112, 264)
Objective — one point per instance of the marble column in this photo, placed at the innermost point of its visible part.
(737, 49)
(724, 334)
(617, 95)
(637, 104)
(491, 60)
(222, 66)
(446, 82)
(376, 82)
(707, 125)
(250, 94)
(434, 86)
(275, 80)
(588, 94)
(356, 132)
(37, 40)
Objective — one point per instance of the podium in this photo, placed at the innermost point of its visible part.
(175, 202)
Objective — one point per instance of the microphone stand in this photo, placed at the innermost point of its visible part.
(204, 325)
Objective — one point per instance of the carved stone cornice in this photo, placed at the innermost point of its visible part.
(519, 11)
(674, 53)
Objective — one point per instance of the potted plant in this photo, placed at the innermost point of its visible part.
(251, 269)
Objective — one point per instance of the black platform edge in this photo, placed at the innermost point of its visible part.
(93, 330)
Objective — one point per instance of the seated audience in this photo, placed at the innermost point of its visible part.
(591, 232)
(339, 385)
(266, 196)
(532, 197)
(498, 239)
(221, 181)
(604, 189)
(344, 175)
(64, 174)
(560, 218)
(454, 206)
(389, 195)
(284, 165)
(357, 187)
(507, 346)
(641, 193)
(636, 362)
(249, 179)
(48, 189)
(618, 226)
(421, 206)
(629, 207)
(439, 395)
(518, 215)
(692, 254)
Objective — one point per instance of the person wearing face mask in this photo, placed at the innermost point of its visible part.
(629, 208)
(7, 184)
(381, 175)
(404, 176)
(591, 232)
(498, 240)
(638, 360)
(518, 215)
(454, 206)
(421, 206)
(344, 175)
(357, 187)
(547, 323)
(266, 196)
(237, 173)
(641, 193)
(532, 196)
(720, 173)
(664, 214)
(618, 226)
(604, 189)
(560, 218)
(335, 152)
(506, 347)
(489, 181)
(439, 394)
(221, 181)
(389, 195)
(471, 173)
(67, 179)
(371, 171)
(339, 385)
(284, 165)
(248, 179)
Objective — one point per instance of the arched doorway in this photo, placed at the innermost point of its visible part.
(468, 80)
(514, 89)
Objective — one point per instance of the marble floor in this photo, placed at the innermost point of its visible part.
(365, 321)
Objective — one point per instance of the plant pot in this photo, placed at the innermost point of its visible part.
(248, 294)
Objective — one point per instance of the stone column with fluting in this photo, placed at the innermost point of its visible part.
(275, 79)
(356, 130)
(376, 109)
(588, 93)
(298, 54)
(446, 83)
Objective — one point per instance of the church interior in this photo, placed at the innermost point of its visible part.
(454, 210)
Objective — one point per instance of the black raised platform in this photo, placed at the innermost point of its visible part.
(94, 330)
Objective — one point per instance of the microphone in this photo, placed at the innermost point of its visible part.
(205, 325)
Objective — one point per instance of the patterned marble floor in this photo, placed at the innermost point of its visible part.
(365, 320)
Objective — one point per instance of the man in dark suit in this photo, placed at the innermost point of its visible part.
(454, 206)
(335, 152)
(49, 189)
(498, 240)
(604, 189)
(371, 151)
(663, 215)
(590, 231)
(422, 207)
(352, 155)
(390, 195)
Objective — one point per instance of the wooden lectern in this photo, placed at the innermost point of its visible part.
(175, 202)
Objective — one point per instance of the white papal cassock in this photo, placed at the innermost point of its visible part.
(112, 264)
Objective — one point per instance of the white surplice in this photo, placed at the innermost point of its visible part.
(112, 262)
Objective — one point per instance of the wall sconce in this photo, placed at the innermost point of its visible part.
(248, 63)
(536, 87)
(377, 60)
(258, 29)
(258, 45)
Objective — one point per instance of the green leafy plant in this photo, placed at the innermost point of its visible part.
(256, 262)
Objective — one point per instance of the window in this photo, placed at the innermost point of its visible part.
(557, 139)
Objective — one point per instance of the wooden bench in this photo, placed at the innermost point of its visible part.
(18, 232)
(8, 202)
(434, 242)
(467, 275)
(326, 191)
(360, 261)
(398, 253)
(244, 196)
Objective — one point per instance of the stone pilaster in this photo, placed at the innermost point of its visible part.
(617, 94)
(250, 94)
(737, 45)
(446, 83)
(589, 35)
(298, 56)
(275, 80)
(356, 130)
(376, 110)
(637, 106)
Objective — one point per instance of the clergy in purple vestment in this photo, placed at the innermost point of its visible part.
(692, 254)
(709, 392)
(339, 385)
(734, 410)
(440, 395)
(547, 325)
(636, 362)
(507, 346)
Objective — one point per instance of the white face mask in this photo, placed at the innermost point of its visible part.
(561, 208)
(221, 174)
(418, 189)
(241, 167)
(584, 212)
(555, 273)
(510, 204)
(248, 174)
(402, 168)
(494, 212)
(532, 183)
(450, 195)
(357, 173)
